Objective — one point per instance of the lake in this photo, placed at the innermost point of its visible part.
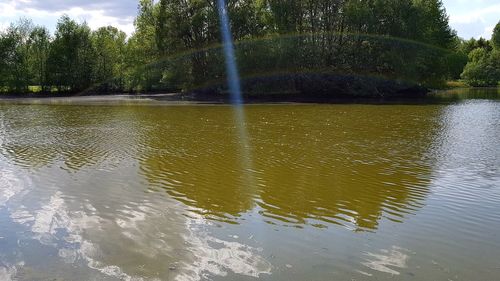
(154, 191)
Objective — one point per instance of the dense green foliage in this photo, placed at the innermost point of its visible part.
(483, 67)
(281, 45)
(495, 38)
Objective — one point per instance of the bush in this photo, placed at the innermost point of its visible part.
(483, 69)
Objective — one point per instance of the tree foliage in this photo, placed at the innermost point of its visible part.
(176, 46)
(72, 57)
(483, 67)
(109, 67)
(495, 38)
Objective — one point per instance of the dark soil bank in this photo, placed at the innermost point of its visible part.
(314, 88)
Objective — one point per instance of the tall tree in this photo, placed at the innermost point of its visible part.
(142, 51)
(495, 38)
(39, 52)
(9, 58)
(109, 44)
(72, 57)
(14, 47)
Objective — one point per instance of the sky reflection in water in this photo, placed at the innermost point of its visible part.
(158, 193)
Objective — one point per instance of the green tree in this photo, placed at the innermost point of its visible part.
(141, 50)
(495, 38)
(15, 45)
(483, 69)
(109, 44)
(9, 58)
(39, 52)
(72, 58)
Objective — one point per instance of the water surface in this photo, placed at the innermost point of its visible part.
(138, 191)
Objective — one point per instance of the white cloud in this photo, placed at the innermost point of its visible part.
(95, 13)
(488, 31)
(3, 26)
(473, 18)
(474, 15)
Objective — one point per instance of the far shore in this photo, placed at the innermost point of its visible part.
(182, 99)
(221, 99)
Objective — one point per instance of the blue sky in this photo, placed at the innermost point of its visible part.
(471, 18)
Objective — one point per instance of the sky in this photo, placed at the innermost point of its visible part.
(470, 18)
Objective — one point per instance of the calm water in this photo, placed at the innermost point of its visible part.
(297, 192)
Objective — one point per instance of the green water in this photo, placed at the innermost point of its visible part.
(150, 191)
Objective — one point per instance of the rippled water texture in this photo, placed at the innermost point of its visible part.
(312, 192)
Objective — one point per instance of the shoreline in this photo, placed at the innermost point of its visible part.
(434, 96)
(167, 99)
(178, 98)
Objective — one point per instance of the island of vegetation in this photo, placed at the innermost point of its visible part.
(300, 48)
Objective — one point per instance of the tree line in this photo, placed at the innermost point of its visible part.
(483, 67)
(281, 45)
(73, 59)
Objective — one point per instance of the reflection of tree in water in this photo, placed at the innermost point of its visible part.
(41, 136)
(100, 222)
(343, 165)
(348, 165)
(193, 153)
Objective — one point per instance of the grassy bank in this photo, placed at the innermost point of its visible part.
(453, 84)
